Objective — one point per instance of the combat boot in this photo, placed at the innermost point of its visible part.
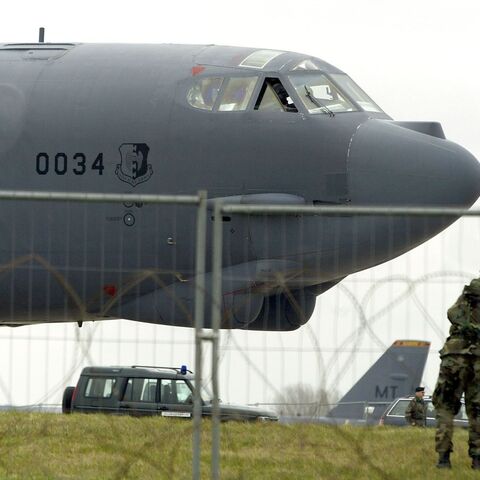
(476, 463)
(444, 460)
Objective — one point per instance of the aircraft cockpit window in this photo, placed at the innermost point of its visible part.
(306, 65)
(259, 58)
(274, 97)
(204, 92)
(269, 101)
(237, 94)
(320, 95)
(355, 92)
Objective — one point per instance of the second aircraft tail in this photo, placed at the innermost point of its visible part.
(395, 374)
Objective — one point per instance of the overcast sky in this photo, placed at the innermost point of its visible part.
(418, 59)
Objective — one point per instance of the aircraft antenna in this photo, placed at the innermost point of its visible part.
(41, 35)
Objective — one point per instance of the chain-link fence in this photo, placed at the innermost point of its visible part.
(89, 260)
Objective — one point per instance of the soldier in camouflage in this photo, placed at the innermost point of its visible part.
(416, 412)
(460, 373)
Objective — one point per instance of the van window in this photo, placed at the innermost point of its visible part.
(175, 391)
(399, 408)
(141, 390)
(99, 387)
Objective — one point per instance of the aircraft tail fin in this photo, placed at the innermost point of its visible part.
(395, 374)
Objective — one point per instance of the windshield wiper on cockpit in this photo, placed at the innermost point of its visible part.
(316, 101)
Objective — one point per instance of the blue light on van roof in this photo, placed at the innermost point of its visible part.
(183, 369)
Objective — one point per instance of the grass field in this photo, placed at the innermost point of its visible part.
(50, 446)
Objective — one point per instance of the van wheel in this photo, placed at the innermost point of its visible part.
(67, 400)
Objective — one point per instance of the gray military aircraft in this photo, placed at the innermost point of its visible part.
(395, 374)
(247, 125)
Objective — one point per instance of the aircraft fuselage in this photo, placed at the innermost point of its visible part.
(245, 125)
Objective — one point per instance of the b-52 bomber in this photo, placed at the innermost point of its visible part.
(249, 126)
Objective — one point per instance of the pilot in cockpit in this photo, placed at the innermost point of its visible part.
(284, 98)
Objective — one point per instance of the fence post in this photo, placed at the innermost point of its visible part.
(200, 254)
(216, 318)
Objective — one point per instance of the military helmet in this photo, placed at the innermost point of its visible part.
(474, 288)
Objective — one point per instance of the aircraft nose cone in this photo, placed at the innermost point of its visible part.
(392, 165)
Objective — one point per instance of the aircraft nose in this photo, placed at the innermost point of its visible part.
(392, 165)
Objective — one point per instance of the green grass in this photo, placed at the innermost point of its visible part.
(49, 446)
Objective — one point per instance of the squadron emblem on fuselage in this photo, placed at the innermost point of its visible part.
(134, 167)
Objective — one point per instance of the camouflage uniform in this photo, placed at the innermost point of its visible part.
(460, 372)
(416, 412)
